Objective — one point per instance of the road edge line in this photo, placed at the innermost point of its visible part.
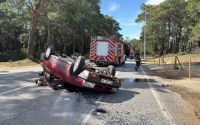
(88, 116)
(163, 108)
(14, 90)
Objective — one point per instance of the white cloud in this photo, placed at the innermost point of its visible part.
(133, 23)
(113, 7)
(154, 2)
(127, 22)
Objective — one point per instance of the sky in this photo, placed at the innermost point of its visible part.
(125, 12)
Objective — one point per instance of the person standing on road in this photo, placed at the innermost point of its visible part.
(138, 62)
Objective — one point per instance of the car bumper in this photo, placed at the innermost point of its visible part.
(104, 83)
(99, 87)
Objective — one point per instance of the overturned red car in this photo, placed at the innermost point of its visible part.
(61, 69)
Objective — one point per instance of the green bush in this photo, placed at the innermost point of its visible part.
(12, 56)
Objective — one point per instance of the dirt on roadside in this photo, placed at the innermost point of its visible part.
(178, 81)
(191, 97)
(6, 66)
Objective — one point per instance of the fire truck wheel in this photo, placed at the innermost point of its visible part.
(112, 70)
(49, 52)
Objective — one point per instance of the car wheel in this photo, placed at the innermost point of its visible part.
(49, 52)
(112, 70)
(78, 66)
(71, 70)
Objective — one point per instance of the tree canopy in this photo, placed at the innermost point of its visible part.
(30, 26)
(172, 26)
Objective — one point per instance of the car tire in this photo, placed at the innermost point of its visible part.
(112, 70)
(78, 66)
(49, 51)
(71, 70)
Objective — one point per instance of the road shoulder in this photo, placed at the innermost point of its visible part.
(188, 89)
(17, 65)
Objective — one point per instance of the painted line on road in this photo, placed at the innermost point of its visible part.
(118, 72)
(21, 70)
(56, 104)
(14, 90)
(162, 106)
(88, 116)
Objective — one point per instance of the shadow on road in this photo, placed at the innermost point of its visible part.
(120, 96)
(3, 71)
(11, 81)
(142, 83)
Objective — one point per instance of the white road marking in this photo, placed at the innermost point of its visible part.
(20, 70)
(88, 116)
(55, 105)
(162, 106)
(14, 90)
(16, 71)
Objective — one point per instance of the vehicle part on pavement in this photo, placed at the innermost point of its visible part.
(39, 82)
(112, 70)
(48, 77)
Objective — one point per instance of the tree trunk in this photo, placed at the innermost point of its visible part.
(32, 36)
(49, 35)
(169, 36)
(178, 39)
(177, 45)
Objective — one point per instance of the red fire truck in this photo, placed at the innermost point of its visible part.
(107, 51)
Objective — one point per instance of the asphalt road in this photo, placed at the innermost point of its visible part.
(140, 101)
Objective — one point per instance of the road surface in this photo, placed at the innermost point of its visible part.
(140, 101)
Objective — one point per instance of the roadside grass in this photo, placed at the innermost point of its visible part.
(16, 64)
(170, 59)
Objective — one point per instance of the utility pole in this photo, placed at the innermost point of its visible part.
(145, 19)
